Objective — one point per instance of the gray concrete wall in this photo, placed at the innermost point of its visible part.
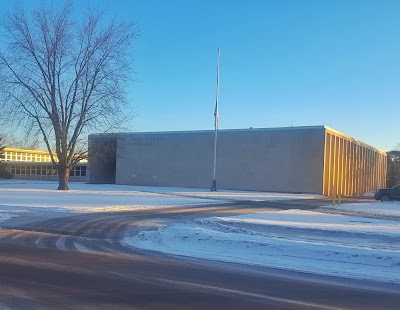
(281, 159)
(102, 160)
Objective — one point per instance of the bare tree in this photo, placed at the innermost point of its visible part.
(62, 76)
(393, 167)
(3, 172)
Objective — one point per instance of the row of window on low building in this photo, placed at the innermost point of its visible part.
(25, 157)
(77, 171)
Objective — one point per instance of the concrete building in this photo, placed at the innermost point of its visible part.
(313, 159)
(36, 165)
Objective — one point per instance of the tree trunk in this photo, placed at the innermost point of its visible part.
(63, 179)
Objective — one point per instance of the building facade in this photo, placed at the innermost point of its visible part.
(312, 159)
(36, 165)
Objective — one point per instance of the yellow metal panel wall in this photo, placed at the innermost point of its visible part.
(327, 167)
(351, 167)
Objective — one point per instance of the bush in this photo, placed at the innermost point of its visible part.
(4, 174)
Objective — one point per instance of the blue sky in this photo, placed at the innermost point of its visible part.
(334, 63)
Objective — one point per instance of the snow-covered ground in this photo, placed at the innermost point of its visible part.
(361, 246)
(353, 240)
(83, 197)
(5, 216)
(387, 209)
(42, 196)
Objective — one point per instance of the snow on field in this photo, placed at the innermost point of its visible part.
(83, 197)
(308, 241)
(227, 195)
(5, 216)
(388, 208)
(353, 240)
(42, 196)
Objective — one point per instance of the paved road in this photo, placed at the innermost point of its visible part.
(54, 261)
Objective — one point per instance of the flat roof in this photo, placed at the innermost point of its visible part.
(209, 130)
(338, 133)
(11, 149)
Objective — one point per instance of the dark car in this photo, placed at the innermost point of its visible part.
(386, 194)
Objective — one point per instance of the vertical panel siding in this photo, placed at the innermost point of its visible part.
(342, 170)
(345, 167)
(384, 168)
(351, 167)
(331, 164)
(327, 168)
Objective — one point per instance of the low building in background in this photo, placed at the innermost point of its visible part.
(311, 159)
(36, 165)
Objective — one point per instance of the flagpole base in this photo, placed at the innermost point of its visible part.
(214, 186)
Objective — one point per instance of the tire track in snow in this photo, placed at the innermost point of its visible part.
(83, 233)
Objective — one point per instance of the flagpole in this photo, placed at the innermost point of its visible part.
(214, 181)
